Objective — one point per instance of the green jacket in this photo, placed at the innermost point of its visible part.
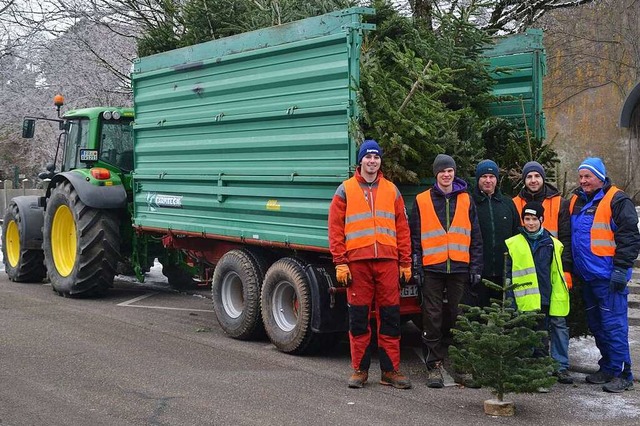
(499, 220)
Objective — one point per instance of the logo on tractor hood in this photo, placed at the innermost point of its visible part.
(155, 200)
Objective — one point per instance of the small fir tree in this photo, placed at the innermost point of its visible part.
(496, 345)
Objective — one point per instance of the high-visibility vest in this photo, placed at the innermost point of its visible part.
(551, 212)
(602, 238)
(525, 279)
(439, 245)
(366, 224)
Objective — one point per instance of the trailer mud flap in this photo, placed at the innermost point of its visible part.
(329, 310)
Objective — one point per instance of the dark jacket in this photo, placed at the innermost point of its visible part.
(625, 231)
(564, 219)
(499, 220)
(542, 249)
(443, 204)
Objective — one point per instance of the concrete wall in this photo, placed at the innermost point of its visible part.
(7, 193)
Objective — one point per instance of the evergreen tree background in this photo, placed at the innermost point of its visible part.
(496, 345)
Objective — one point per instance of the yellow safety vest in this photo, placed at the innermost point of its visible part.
(525, 280)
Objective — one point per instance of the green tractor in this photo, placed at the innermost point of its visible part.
(79, 233)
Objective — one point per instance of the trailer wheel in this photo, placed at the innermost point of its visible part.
(81, 244)
(286, 306)
(235, 291)
(21, 265)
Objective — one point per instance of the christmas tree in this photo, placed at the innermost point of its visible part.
(496, 345)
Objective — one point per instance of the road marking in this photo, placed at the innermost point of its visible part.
(129, 304)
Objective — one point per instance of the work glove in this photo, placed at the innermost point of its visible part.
(418, 275)
(618, 280)
(405, 275)
(569, 280)
(343, 274)
(474, 280)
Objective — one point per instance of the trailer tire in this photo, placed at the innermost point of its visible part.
(235, 291)
(81, 244)
(21, 265)
(286, 307)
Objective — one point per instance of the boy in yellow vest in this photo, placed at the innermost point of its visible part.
(535, 269)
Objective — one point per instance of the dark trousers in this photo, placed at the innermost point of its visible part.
(437, 317)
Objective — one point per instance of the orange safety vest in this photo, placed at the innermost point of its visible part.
(602, 239)
(366, 224)
(439, 245)
(551, 212)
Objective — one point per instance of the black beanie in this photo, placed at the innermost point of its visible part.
(443, 161)
(533, 166)
(535, 208)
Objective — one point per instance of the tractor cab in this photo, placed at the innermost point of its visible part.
(98, 138)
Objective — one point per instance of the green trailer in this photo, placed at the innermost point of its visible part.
(240, 144)
(238, 147)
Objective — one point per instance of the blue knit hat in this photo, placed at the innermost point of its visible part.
(487, 167)
(369, 147)
(595, 166)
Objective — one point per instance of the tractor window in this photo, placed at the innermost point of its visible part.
(116, 143)
(77, 138)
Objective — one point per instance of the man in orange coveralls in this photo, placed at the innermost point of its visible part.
(371, 247)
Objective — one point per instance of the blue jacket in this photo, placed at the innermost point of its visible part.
(624, 222)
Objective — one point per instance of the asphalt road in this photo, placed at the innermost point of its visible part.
(150, 356)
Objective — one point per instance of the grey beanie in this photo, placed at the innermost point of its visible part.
(443, 161)
(532, 166)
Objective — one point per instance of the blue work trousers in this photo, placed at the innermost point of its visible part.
(559, 340)
(607, 317)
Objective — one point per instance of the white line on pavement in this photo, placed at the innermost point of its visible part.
(129, 304)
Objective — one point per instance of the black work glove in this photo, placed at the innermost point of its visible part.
(474, 280)
(618, 280)
(417, 272)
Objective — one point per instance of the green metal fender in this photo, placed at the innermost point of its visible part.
(97, 197)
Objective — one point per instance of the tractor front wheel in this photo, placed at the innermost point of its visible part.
(81, 244)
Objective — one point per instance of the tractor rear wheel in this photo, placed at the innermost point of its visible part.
(22, 265)
(81, 244)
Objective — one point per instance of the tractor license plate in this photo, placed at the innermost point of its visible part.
(409, 291)
(88, 155)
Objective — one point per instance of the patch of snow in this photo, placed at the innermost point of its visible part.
(605, 406)
(583, 351)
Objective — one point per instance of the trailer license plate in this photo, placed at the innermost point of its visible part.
(409, 291)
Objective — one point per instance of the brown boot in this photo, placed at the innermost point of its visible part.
(358, 379)
(395, 379)
(434, 376)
